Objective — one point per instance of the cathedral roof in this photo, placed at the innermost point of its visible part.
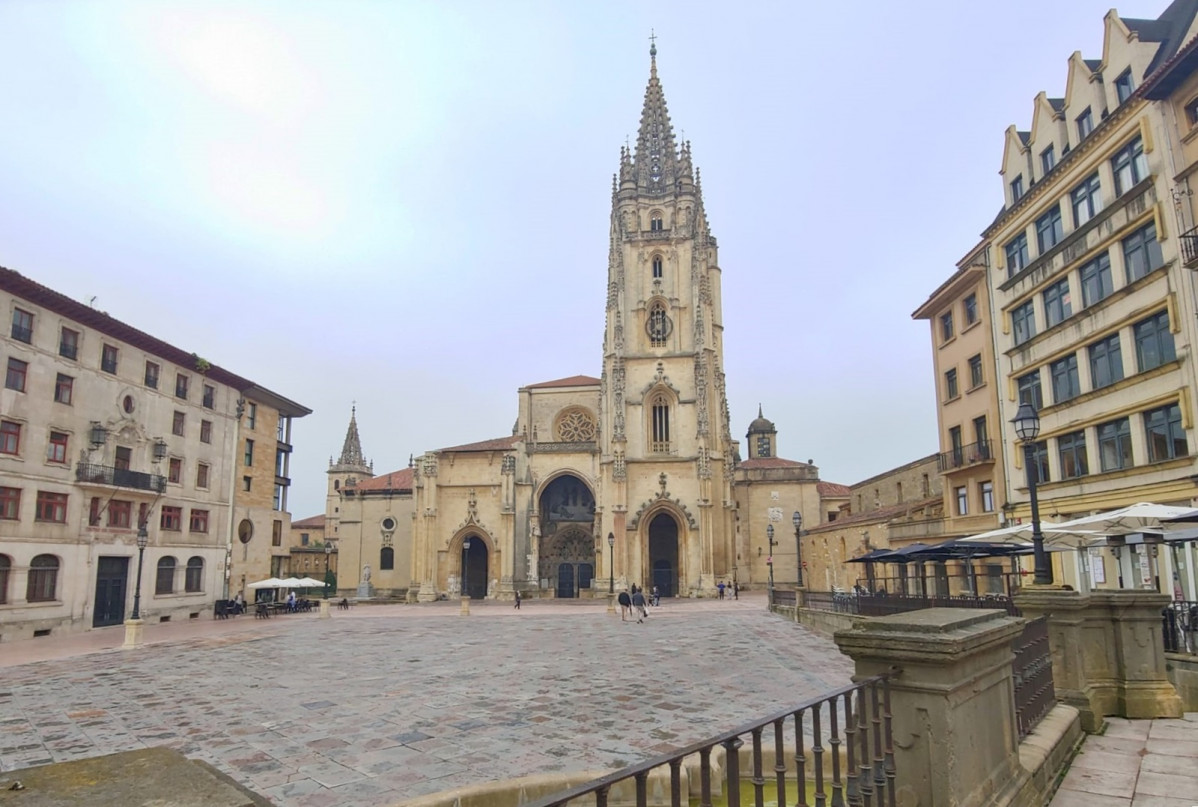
(763, 463)
(498, 444)
(831, 490)
(396, 480)
(311, 522)
(572, 381)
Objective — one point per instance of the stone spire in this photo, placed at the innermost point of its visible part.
(351, 459)
(656, 154)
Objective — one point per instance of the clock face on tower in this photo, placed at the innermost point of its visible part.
(763, 446)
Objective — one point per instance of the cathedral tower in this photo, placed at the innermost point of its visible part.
(349, 469)
(667, 452)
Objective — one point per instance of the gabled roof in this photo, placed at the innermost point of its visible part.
(1169, 29)
(1057, 104)
(879, 514)
(309, 523)
(763, 463)
(572, 381)
(396, 480)
(1093, 64)
(498, 444)
(832, 490)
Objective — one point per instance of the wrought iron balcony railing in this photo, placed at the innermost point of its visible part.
(966, 455)
(119, 477)
(1189, 247)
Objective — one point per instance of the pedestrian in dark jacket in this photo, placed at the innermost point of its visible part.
(638, 604)
(625, 605)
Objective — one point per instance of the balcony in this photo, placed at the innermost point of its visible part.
(119, 477)
(966, 455)
(1189, 247)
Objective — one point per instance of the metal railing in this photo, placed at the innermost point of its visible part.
(1189, 247)
(1032, 671)
(864, 776)
(980, 451)
(119, 477)
(1180, 627)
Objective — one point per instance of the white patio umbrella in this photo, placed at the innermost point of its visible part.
(1055, 538)
(310, 582)
(292, 582)
(1141, 517)
(270, 582)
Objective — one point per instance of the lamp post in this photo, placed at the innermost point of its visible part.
(466, 576)
(143, 538)
(1027, 427)
(769, 561)
(328, 553)
(611, 563)
(797, 520)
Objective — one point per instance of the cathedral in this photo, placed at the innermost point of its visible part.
(628, 478)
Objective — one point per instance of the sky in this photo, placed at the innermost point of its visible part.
(405, 205)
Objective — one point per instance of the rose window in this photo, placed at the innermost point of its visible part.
(576, 427)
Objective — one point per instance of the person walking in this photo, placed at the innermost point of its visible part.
(656, 597)
(517, 600)
(735, 590)
(625, 605)
(720, 587)
(638, 604)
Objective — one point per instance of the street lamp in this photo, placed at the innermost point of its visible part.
(1027, 427)
(143, 538)
(466, 569)
(769, 561)
(611, 563)
(797, 520)
(328, 553)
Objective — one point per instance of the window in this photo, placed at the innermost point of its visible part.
(247, 483)
(108, 358)
(1086, 200)
(956, 445)
(177, 424)
(387, 558)
(1072, 451)
(172, 519)
(253, 417)
(1085, 124)
(56, 449)
(1166, 437)
(10, 503)
(279, 498)
(1017, 254)
(1049, 230)
(1017, 188)
(1039, 464)
(122, 458)
(1096, 280)
(68, 343)
(658, 325)
(209, 396)
(151, 375)
(93, 512)
(1023, 322)
(205, 431)
(660, 426)
(43, 579)
(202, 475)
(120, 514)
(986, 492)
(64, 385)
(181, 385)
(1124, 86)
(1154, 342)
(22, 326)
(276, 533)
(1106, 362)
(165, 582)
(1057, 305)
(657, 269)
(304, 538)
(174, 470)
(1065, 383)
(1130, 166)
(950, 385)
(946, 326)
(195, 574)
(971, 309)
(962, 501)
(10, 437)
(655, 222)
(975, 371)
(1048, 159)
(249, 452)
(1114, 444)
(1141, 253)
(18, 372)
(51, 507)
(5, 567)
(199, 521)
(981, 437)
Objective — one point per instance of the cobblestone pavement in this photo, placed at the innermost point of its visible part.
(385, 703)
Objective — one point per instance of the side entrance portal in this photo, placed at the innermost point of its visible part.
(112, 580)
(663, 554)
(475, 571)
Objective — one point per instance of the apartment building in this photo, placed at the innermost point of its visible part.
(106, 431)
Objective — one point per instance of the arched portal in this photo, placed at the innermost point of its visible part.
(566, 554)
(663, 554)
(474, 568)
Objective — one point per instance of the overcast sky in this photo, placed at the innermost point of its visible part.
(406, 204)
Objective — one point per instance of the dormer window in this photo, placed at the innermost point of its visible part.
(657, 268)
(655, 222)
(1048, 160)
(1124, 85)
(1016, 188)
(1085, 124)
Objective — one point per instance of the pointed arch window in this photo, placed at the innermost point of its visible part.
(659, 413)
(658, 325)
(657, 267)
(656, 222)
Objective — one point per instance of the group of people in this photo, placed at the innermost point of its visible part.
(726, 589)
(632, 603)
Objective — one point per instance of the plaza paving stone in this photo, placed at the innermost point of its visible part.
(385, 703)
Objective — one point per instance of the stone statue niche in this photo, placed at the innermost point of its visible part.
(566, 501)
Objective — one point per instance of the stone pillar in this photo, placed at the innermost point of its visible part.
(324, 609)
(1073, 643)
(1142, 689)
(133, 633)
(952, 701)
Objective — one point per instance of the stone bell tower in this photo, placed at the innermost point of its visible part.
(667, 452)
(349, 469)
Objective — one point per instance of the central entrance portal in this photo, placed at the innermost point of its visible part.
(567, 548)
(663, 554)
(112, 578)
